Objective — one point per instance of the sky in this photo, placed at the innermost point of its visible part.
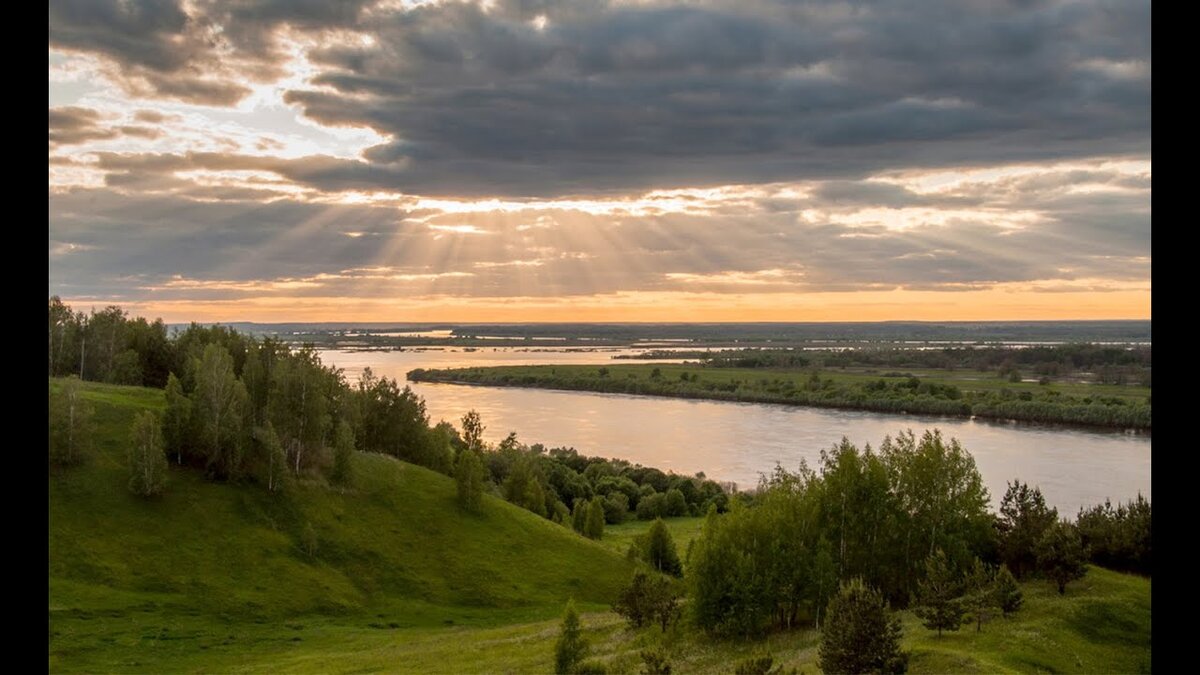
(601, 160)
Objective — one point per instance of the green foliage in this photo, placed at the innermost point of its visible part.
(660, 550)
(758, 665)
(309, 541)
(1060, 554)
(616, 508)
(147, 464)
(648, 598)
(523, 486)
(981, 591)
(1023, 519)
(177, 421)
(939, 602)
(651, 506)
(579, 516)
(219, 404)
(594, 525)
(468, 476)
(71, 427)
(1008, 592)
(571, 648)
(1118, 538)
(343, 450)
(654, 662)
(472, 431)
(675, 504)
(271, 459)
(860, 635)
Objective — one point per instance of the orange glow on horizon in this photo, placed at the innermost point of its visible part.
(995, 304)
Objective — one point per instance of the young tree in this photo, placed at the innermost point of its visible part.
(981, 591)
(860, 635)
(579, 516)
(1008, 593)
(938, 596)
(177, 421)
(70, 424)
(1060, 554)
(343, 450)
(571, 648)
(824, 578)
(1023, 519)
(472, 433)
(649, 597)
(660, 550)
(147, 463)
(595, 518)
(271, 456)
(468, 475)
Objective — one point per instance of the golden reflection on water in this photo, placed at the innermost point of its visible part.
(737, 441)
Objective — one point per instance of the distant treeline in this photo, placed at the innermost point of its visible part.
(1105, 364)
(254, 409)
(903, 395)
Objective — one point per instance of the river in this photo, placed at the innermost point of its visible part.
(738, 441)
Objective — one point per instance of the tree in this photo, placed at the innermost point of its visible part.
(1060, 554)
(595, 518)
(571, 648)
(616, 507)
(660, 550)
(981, 591)
(676, 504)
(579, 516)
(147, 463)
(468, 475)
(343, 450)
(472, 433)
(1023, 519)
(271, 456)
(860, 635)
(938, 595)
(220, 400)
(177, 421)
(70, 424)
(824, 578)
(648, 597)
(1008, 593)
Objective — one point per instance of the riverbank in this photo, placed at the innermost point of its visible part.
(1094, 406)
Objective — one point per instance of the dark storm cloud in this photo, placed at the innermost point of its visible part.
(611, 97)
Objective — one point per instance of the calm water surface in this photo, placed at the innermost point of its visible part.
(737, 441)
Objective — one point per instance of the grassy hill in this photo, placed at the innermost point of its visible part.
(211, 578)
(208, 560)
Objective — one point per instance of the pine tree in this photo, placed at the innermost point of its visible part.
(571, 648)
(1008, 593)
(981, 591)
(660, 550)
(860, 635)
(938, 595)
(1060, 554)
(147, 463)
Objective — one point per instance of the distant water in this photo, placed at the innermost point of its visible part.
(738, 441)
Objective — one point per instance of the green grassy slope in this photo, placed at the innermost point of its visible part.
(208, 562)
(211, 579)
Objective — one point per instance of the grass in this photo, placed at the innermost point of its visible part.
(210, 578)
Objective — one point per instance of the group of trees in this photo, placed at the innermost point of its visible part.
(581, 492)
(875, 515)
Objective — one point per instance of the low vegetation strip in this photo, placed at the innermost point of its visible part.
(1111, 406)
